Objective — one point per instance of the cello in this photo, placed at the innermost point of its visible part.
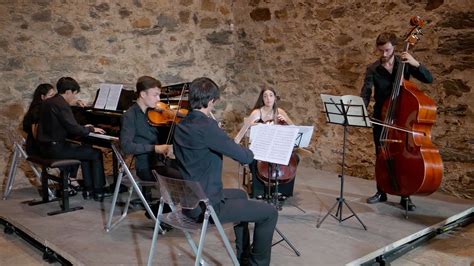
(407, 162)
(270, 173)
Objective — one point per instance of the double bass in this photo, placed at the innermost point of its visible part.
(407, 162)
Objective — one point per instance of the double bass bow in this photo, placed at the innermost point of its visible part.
(407, 162)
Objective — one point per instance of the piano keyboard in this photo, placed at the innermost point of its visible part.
(102, 136)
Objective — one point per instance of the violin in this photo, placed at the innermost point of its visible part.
(163, 115)
(407, 162)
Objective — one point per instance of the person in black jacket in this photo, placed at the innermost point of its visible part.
(56, 124)
(139, 138)
(380, 75)
(30, 120)
(199, 145)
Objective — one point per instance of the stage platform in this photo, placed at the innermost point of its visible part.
(80, 238)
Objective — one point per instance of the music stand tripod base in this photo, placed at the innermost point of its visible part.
(338, 112)
(273, 200)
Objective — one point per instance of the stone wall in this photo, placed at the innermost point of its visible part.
(106, 41)
(301, 47)
(305, 48)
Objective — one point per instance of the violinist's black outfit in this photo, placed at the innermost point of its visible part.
(56, 123)
(199, 145)
(382, 81)
(139, 138)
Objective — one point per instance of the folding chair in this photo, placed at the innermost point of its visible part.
(18, 143)
(184, 194)
(126, 178)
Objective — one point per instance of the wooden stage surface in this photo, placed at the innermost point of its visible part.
(80, 237)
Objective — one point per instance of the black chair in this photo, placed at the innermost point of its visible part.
(62, 179)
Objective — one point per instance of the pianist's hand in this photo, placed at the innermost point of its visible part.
(79, 103)
(163, 149)
(99, 130)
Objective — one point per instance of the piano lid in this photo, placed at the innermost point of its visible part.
(174, 90)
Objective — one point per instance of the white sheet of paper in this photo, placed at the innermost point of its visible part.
(355, 110)
(114, 96)
(273, 143)
(306, 133)
(102, 97)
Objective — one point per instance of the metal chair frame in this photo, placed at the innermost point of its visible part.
(126, 178)
(185, 194)
(19, 154)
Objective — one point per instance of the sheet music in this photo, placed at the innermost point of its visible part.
(354, 108)
(101, 100)
(114, 96)
(306, 133)
(273, 143)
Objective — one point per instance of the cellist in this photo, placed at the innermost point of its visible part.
(267, 111)
(380, 75)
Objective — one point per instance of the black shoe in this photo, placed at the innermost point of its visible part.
(244, 261)
(378, 197)
(107, 194)
(87, 195)
(407, 204)
(154, 208)
(111, 188)
(282, 197)
(259, 197)
(74, 184)
(166, 227)
(99, 197)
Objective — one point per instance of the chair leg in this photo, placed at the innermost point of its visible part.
(45, 190)
(202, 239)
(65, 197)
(11, 173)
(156, 231)
(109, 225)
(219, 227)
(65, 189)
(44, 184)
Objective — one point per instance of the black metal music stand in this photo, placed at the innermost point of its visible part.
(345, 114)
(273, 169)
(273, 172)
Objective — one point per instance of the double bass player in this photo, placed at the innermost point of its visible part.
(381, 75)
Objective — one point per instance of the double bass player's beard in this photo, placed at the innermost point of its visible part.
(386, 59)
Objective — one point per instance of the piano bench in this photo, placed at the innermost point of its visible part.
(62, 179)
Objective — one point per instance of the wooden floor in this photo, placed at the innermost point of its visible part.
(80, 236)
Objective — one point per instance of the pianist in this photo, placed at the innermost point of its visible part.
(139, 138)
(56, 123)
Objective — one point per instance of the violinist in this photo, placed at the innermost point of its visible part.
(380, 75)
(139, 138)
(266, 111)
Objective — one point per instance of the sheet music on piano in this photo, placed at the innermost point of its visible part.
(108, 97)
